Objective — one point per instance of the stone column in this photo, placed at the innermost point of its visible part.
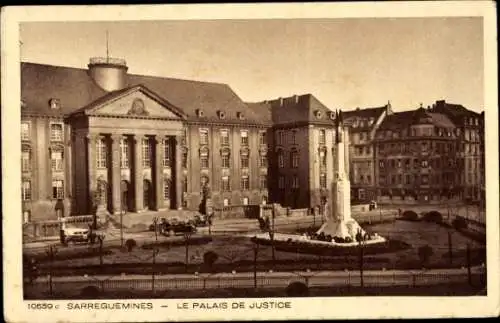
(178, 172)
(158, 170)
(116, 173)
(91, 168)
(138, 175)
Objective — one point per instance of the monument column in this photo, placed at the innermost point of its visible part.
(115, 172)
(91, 171)
(160, 141)
(138, 175)
(178, 172)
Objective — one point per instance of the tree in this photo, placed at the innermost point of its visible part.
(209, 259)
(297, 289)
(130, 244)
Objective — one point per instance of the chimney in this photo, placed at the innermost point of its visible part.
(296, 97)
(281, 102)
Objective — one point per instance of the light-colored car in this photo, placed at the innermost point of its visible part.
(73, 234)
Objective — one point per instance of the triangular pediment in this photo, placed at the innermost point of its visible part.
(137, 101)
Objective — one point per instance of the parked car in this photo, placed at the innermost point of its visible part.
(174, 227)
(74, 235)
(202, 220)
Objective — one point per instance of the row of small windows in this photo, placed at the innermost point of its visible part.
(56, 131)
(292, 135)
(224, 137)
(226, 159)
(424, 146)
(420, 131)
(409, 179)
(435, 163)
(56, 160)
(57, 190)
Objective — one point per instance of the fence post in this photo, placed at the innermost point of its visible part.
(255, 250)
(450, 249)
(469, 274)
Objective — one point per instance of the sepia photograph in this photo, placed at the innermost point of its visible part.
(246, 163)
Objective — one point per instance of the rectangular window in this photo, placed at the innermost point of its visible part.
(281, 159)
(293, 137)
(225, 160)
(262, 160)
(245, 161)
(361, 194)
(203, 136)
(26, 190)
(204, 160)
(57, 189)
(167, 153)
(184, 185)
(56, 161)
(381, 180)
(25, 131)
(381, 164)
(244, 138)
(322, 136)
(407, 179)
(101, 154)
(184, 159)
(263, 182)
(56, 132)
(322, 158)
(295, 159)
(124, 155)
(425, 163)
(322, 180)
(281, 182)
(26, 161)
(245, 183)
(225, 186)
(224, 138)
(425, 179)
(280, 137)
(368, 179)
(262, 138)
(295, 182)
(146, 153)
(415, 163)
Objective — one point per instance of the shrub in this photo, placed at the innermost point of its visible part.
(424, 253)
(410, 215)
(130, 244)
(433, 216)
(209, 258)
(348, 240)
(297, 289)
(460, 223)
(90, 292)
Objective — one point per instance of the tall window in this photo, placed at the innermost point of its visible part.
(184, 184)
(295, 182)
(322, 157)
(281, 182)
(322, 136)
(57, 189)
(56, 160)
(245, 183)
(263, 182)
(124, 155)
(166, 189)
(407, 179)
(204, 158)
(26, 190)
(381, 164)
(203, 136)
(225, 158)
(225, 185)
(263, 160)
(146, 153)
(56, 132)
(167, 153)
(262, 138)
(25, 131)
(184, 159)
(280, 137)
(226, 202)
(322, 180)
(294, 156)
(244, 138)
(293, 136)
(101, 153)
(281, 159)
(244, 159)
(224, 137)
(26, 160)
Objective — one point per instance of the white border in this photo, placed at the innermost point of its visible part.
(310, 308)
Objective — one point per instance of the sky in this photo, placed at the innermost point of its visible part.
(345, 63)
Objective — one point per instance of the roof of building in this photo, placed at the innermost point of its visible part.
(365, 112)
(456, 112)
(75, 89)
(299, 109)
(399, 120)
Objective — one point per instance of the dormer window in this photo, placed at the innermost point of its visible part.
(332, 115)
(318, 114)
(240, 116)
(221, 114)
(54, 103)
(199, 113)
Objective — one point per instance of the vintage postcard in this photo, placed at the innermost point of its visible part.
(250, 162)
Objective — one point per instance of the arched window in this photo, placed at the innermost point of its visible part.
(281, 159)
(225, 156)
(322, 157)
(101, 153)
(244, 157)
(322, 136)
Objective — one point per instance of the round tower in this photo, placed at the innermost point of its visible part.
(108, 73)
